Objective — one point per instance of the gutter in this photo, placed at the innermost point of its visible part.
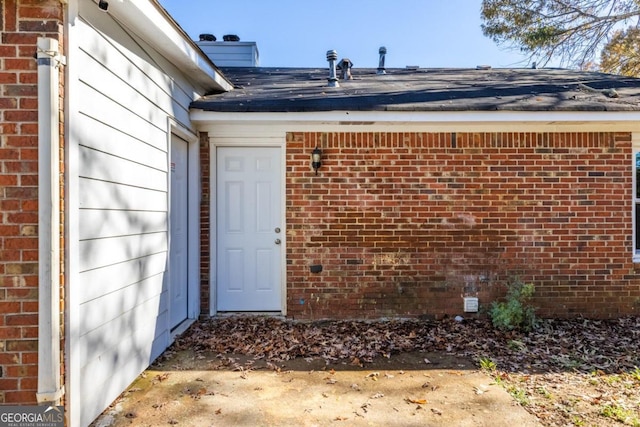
(50, 389)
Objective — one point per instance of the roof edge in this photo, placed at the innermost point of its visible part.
(150, 21)
(494, 121)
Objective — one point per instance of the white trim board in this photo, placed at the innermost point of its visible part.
(193, 232)
(410, 121)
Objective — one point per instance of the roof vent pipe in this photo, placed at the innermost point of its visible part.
(332, 56)
(345, 65)
(383, 52)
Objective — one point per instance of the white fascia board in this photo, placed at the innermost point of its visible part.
(150, 22)
(471, 121)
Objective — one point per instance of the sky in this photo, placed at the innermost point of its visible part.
(298, 33)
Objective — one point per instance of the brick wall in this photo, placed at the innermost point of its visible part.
(205, 225)
(405, 224)
(21, 23)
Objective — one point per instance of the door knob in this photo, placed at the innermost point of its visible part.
(278, 241)
(277, 230)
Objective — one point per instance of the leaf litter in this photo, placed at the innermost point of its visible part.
(566, 372)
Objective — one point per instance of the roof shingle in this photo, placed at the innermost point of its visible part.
(496, 89)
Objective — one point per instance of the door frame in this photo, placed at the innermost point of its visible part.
(213, 214)
(193, 224)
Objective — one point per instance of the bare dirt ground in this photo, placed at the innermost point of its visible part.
(263, 371)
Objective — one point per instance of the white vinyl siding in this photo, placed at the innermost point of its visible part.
(123, 96)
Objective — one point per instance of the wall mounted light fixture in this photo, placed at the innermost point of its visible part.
(316, 159)
(103, 5)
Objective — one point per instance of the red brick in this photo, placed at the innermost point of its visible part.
(29, 153)
(21, 115)
(406, 211)
(22, 345)
(7, 51)
(10, 359)
(8, 230)
(29, 180)
(8, 78)
(29, 332)
(8, 383)
(51, 11)
(29, 358)
(30, 306)
(22, 218)
(10, 333)
(6, 180)
(9, 307)
(22, 319)
(21, 243)
(10, 9)
(22, 294)
(28, 383)
(10, 255)
(19, 64)
(28, 104)
(30, 193)
(29, 205)
(28, 78)
(29, 39)
(18, 371)
(20, 397)
(38, 26)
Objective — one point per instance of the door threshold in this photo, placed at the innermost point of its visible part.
(181, 327)
(250, 313)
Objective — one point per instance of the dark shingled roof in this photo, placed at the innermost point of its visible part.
(305, 89)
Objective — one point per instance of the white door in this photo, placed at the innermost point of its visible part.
(249, 229)
(178, 271)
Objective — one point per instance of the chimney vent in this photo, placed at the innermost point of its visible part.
(383, 53)
(207, 38)
(229, 54)
(345, 65)
(230, 38)
(332, 56)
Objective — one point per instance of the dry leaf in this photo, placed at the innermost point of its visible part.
(159, 378)
(416, 401)
(565, 351)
